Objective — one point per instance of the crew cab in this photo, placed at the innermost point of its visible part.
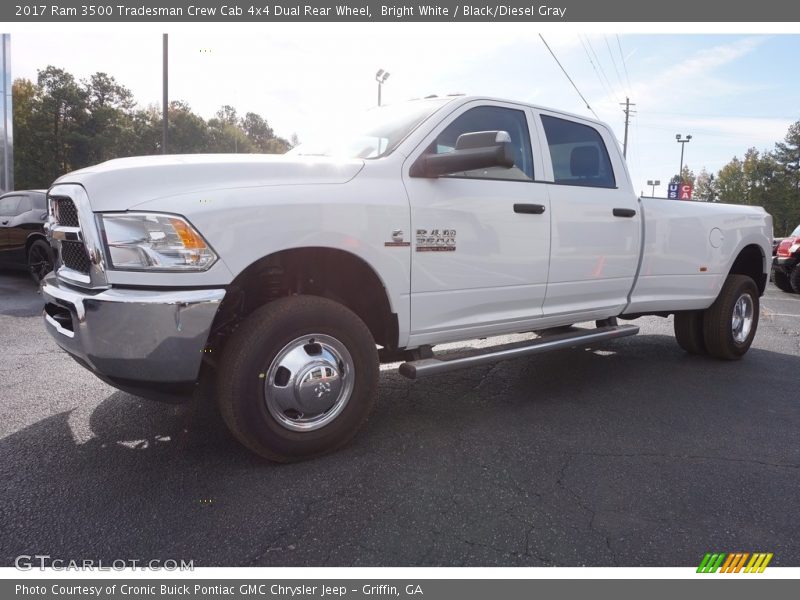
(289, 278)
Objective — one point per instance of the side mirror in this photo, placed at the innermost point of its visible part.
(479, 150)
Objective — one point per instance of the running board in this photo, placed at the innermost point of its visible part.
(579, 337)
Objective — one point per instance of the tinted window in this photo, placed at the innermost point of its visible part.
(39, 201)
(578, 153)
(492, 118)
(8, 206)
(25, 204)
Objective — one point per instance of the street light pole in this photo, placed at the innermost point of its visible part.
(165, 76)
(682, 141)
(653, 183)
(381, 76)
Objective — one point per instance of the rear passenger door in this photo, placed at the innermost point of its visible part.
(596, 220)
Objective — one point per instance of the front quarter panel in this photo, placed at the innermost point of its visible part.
(244, 225)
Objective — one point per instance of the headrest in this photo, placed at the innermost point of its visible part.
(584, 161)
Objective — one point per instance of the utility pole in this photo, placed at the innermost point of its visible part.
(682, 141)
(628, 112)
(165, 75)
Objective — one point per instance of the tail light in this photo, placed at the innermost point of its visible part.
(785, 245)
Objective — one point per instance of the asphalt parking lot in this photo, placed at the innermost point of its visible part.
(631, 453)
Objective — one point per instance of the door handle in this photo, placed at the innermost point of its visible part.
(624, 212)
(529, 209)
(5, 222)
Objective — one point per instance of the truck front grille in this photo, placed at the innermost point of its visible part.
(66, 213)
(73, 255)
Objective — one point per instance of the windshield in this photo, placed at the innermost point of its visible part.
(376, 133)
(796, 232)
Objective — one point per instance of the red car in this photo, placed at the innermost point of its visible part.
(785, 269)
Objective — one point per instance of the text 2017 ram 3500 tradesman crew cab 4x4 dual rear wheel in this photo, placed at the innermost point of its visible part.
(439, 220)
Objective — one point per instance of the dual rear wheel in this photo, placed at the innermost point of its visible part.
(726, 329)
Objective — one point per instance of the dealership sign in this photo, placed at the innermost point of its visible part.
(679, 191)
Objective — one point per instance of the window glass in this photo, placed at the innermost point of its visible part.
(578, 153)
(25, 204)
(491, 118)
(8, 206)
(372, 135)
(39, 201)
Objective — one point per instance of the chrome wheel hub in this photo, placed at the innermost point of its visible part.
(742, 319)
(309, 382)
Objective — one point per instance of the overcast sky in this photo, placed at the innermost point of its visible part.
(728, 91)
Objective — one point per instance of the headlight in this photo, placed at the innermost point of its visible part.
(155, 242)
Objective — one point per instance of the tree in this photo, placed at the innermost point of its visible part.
(686, 176)
(704, 186)
(730, 182)
(188, 132)
(108, 130)
(257, 130)
(62, 125)
(63, 106)
(787, 157)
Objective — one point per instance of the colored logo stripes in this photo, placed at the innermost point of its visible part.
(735, 562)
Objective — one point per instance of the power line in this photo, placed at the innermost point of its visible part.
(558, 62)
(613, 61)
(600, 66)
(624, 65)
(596, 72)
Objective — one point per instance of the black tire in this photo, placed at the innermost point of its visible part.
(246, 360)
(794, 279)
(718, 318)
(689, 331)
(40, 260)
(781, 279)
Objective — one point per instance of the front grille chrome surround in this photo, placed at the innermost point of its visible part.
(74, 233)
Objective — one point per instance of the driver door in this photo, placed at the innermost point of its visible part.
(481, 238)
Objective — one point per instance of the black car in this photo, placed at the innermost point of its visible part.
(786, 263)
(23, 244)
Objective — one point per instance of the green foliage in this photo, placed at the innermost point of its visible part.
(705, 187)
(686, 176)
(61, 124)
(767, 178)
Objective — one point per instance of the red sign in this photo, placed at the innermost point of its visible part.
(685, 191)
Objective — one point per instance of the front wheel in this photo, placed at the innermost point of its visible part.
(730, 324)
(40, 260)
(298, 378)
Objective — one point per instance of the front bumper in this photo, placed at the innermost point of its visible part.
(132, 337)
(785, 262)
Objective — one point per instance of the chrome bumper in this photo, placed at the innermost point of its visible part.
(134, 336)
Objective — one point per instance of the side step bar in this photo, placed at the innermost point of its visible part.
(578, 337)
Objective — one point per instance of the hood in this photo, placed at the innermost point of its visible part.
(124, 183)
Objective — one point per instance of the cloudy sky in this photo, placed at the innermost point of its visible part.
(729, 92)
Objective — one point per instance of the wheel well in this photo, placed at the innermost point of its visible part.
(750, 262)
(32, 238)
(326, 272)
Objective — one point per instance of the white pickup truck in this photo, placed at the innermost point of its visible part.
(291, 277)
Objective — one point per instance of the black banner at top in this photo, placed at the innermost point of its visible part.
(266, 11)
